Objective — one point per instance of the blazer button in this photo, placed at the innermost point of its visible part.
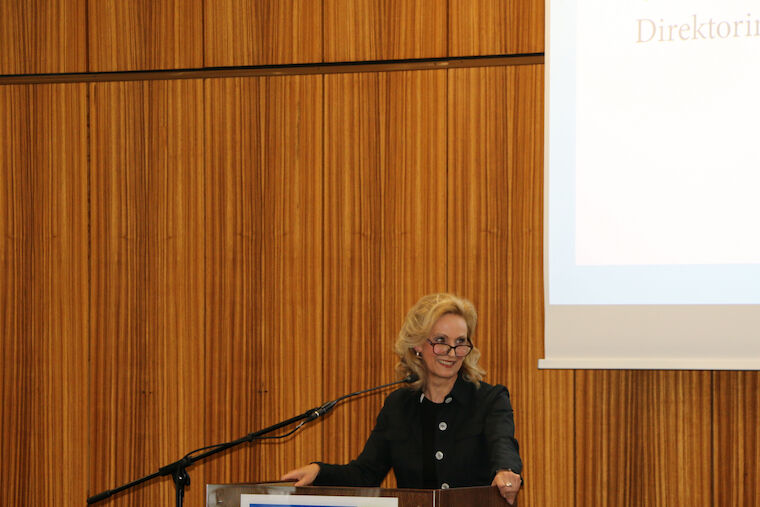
(442, 426)
(445, 485)
(439, 455)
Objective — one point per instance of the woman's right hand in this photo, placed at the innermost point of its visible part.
(303, 476)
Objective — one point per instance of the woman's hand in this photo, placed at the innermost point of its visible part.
(508, 483)
(303, 476)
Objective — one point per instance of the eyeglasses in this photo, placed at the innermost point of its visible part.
(443, 349)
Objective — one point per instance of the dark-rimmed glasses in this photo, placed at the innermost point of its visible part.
(442, 349)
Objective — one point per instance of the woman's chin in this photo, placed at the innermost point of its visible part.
(446, 371)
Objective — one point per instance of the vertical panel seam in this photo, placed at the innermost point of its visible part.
(87, 60)
(322, 260)
(448, 33)
(203, 65)
(447, 222)
(575, 439)
(322, 59)
(446, 146)
(712, 435)
(88, 305)
(204, 242)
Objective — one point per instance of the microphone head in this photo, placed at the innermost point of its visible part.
(411, 378)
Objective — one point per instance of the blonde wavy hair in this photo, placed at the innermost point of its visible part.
(416, 329)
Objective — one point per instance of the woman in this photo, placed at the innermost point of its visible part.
(448, 429)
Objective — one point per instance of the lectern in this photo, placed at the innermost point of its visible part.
(228, 495)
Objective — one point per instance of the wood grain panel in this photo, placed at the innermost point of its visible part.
(527, 22)
(147, 314)
(353, 317)
(643, 438)
(42, 36)
(545, 398)
(264, 329)
(736, 438)
(262, 32)
(495, 257)
(479, 204)
(43, 293)
(359, 30)
(495, 27)
(233, 269)
(144, 35)
(413, 140)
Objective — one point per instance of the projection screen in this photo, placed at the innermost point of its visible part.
(652, 176)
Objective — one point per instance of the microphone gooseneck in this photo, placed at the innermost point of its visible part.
(327, 407)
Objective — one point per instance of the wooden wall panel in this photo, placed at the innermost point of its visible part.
(527, 26)
(360, 30)
(291, 181)
(264, 218)
(262, 32)
(643, 438)
(479, 27)
(545, 398)
(146, 372)
(606, 420)
(385, 230)
(352, 275)
(736, 438)
(413, 140)
(495, 245)
(144, 35)
(42, 36)
(233, 157)
(43, 293)
(478, 210)
(478, 196)
(495, 27)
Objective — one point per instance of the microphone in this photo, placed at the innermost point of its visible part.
(327, 407)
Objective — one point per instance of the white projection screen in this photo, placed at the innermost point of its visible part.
(652, 188)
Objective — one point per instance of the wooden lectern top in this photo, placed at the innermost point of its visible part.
(228, 495)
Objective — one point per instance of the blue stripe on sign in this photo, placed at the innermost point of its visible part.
(293, 505)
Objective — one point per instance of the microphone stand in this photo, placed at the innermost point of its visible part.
(178, 469)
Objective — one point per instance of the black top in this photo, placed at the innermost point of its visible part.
(473, 439)
(429, 421)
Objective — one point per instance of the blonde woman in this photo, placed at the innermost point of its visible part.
(449, 428)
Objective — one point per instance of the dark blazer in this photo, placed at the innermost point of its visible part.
(474, 439)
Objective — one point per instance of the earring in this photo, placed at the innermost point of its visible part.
(418, 353)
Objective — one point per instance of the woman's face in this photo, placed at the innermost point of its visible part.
(450, 329)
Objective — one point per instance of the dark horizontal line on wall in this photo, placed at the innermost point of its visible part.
(279, 70)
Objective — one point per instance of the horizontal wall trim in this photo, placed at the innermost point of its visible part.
(277, 70)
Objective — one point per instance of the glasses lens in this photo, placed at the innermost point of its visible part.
(462, 350)
(440, 349)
